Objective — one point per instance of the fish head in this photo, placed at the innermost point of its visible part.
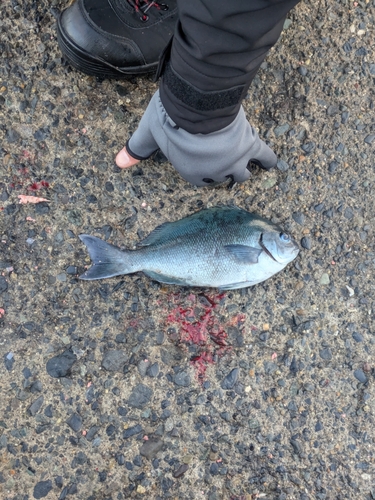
(279, 246)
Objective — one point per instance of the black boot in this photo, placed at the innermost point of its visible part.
(116, 38)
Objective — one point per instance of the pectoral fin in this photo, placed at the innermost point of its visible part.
(244, 253)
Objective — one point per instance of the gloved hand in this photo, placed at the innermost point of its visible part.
(208, 159)
(201, 159)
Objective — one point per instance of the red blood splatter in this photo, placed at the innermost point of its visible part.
(36, 186)
(198, 325)
(200, 363)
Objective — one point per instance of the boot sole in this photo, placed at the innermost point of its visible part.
(90, 65)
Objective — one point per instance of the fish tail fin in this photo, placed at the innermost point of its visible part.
(107, 260)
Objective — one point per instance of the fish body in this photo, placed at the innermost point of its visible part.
(221, 247)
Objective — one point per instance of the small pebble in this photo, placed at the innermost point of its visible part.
(229, 381)
(326, 354)
(35, 406)
(357, 337)
(324, 279)
(60, 365)
(306, 242)
(182, 379)
(114, 360)
(42, 489)
(140, 396)
(151, 447)
(75, 422)
(180, 471)
(153, 370)
(360, 376)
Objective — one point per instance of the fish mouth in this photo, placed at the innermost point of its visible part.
(265, 249)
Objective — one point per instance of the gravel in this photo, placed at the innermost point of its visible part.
(127, 388)
(60, 365)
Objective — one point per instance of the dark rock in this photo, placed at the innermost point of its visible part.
(308, 147)
(344, 117)
(42, 489)
(140, 396)
(296, 446)
(35, 406)
(182, 379)
(348, 213)
(171, 355)
(143, 365)
(132, 431)
(306, 242)
(9, 361)
(3, 284)
(92, 432)
(326, 354)
(12, 136)
(357, 337)
(333, 110)
(71, 270)
(362, 51)
(318, 426)
(114, 360)
(121, 338)
(42, 208)
(110, 430)
(319, 207)
(48, 411)
(153, 370)
(332, 167)
(151, 447)
(360, 376)
(347, 47)
(59, 481)
(42, 134)
(102, 476)
(180, 471)
(159, 337)
(299, 218)
(75, 422)
(60, 365)
(229, 381)
(36, 387)
(369, 139)
(282, 165)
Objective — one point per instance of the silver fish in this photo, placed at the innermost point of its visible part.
(221, 247)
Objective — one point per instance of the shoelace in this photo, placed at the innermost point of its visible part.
(142, 6)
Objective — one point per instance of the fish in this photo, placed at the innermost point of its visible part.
(222, 247)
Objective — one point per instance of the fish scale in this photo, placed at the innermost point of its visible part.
(223, 247)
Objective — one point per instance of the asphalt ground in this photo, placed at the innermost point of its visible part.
(126, 388)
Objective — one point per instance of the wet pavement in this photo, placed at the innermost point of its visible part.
(127, 388)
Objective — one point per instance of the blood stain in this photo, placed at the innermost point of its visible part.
(198, 325)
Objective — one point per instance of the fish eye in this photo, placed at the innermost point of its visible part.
(284, 237)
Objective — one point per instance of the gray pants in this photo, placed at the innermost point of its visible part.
(201, 159)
